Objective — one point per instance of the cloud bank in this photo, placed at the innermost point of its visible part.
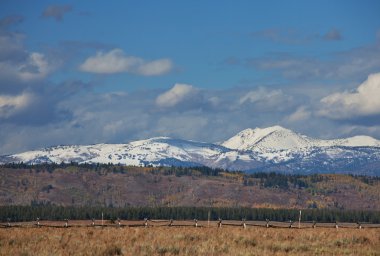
(116, 61)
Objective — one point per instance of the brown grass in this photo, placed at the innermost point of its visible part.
(188, 241)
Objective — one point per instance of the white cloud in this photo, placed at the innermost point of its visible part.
(175, 95)
(365, 101)
(261, 94)
(10, 105)
(19, 64)
(35, 67)
(156, 67)
(115, 61)
(302, 113)
(264, 99)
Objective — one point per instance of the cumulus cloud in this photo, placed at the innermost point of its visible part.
(34, 67)
(10, 104)
(301, 113)
(115, 61)
(56, 12)
(364, 101)
(261, 94)
(19, 64)
(156, 67)
(178, 93)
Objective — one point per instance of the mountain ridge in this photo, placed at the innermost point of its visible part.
(259, 134)
(261, 149)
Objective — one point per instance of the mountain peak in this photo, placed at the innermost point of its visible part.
(263, 130)
(248, 138)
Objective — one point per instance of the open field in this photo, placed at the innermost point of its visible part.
(188, 241)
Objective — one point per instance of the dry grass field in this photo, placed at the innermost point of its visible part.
(188, 241)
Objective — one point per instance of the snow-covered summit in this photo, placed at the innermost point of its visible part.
(279, 138)
(271, 138)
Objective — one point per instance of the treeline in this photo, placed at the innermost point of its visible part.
(278, 180)
(264, 179)
(53, 212)
(103, 168)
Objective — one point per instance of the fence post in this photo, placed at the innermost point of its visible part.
(220, 223)
(299, 220)
(243, 223)
(196, 223)
(267, 225)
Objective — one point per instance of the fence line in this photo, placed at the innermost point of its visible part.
(147, 223)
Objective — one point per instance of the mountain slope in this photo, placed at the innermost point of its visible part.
(269, 149)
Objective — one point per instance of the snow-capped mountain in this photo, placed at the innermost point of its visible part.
(154, 151)
(278, 138)
(268, 149)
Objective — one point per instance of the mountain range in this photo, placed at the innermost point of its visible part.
(269, 149)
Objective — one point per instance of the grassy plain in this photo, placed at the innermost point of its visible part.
(188, 241)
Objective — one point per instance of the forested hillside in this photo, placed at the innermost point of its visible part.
(120, 186)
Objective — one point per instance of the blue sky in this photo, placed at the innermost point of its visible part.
(88, 72)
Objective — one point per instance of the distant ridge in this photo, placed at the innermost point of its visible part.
(261, 149)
